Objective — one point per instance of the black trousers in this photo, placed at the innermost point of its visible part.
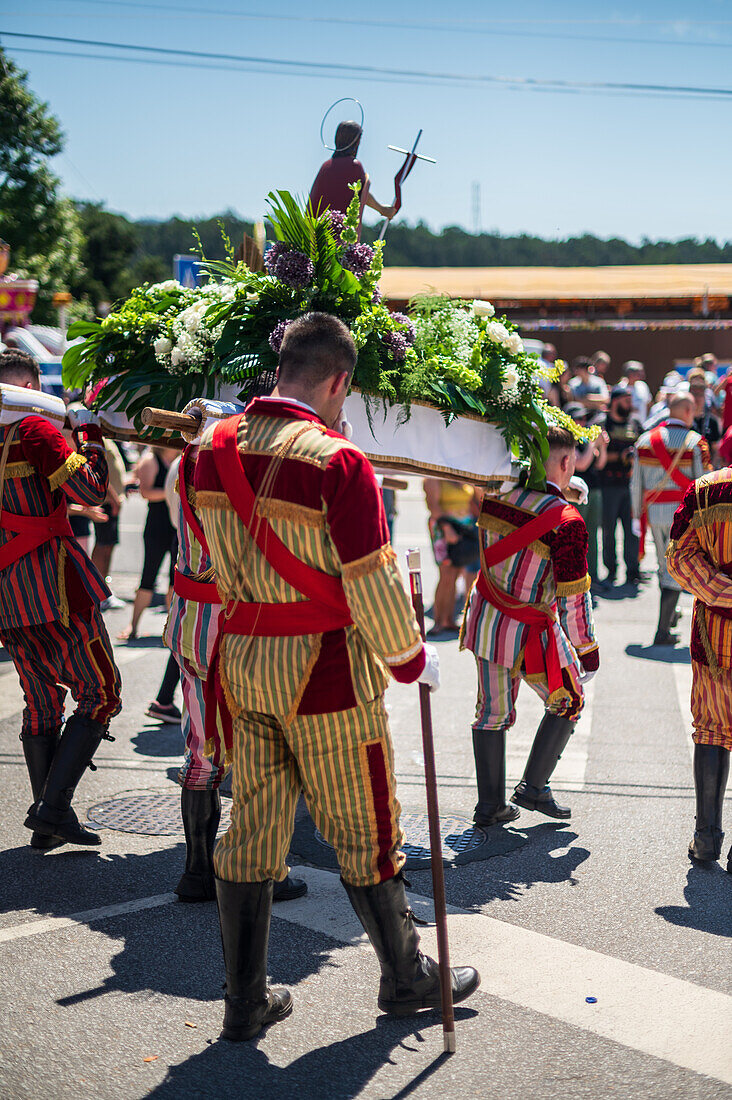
(616, 507)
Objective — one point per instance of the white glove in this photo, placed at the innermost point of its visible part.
(585, 677)
(635, 526)
(431, 671)
(579, 485)
(81, 417)
(210, 412)
(342, 425)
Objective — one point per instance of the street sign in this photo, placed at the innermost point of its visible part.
(186, 269)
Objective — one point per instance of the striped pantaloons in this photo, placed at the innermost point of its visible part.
(498, 689)
(343, 762)
(51, 658)
(711, 707)
(198, 772)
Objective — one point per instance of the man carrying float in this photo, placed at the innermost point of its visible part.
(315, 613)
(530, 618)
(50, 621)
(190, 633)
(667, 460)
(699, 558)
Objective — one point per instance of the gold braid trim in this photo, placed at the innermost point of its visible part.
(503, 527)
(405, 656)
(19, 469)
(364, 567)
(715, 513)
(73, 463)
(711, 656)
(574, 588)
(210, 498)
(292, 712)
(63, 599)
(558, 700)
(292, 513)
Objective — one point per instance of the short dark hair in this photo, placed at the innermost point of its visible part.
(347, 139)
(581, 362)
(560, 439)
(315, 347)
(17, 367)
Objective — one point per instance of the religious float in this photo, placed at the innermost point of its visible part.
(446, 390)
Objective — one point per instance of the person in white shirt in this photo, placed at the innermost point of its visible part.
(634, 377)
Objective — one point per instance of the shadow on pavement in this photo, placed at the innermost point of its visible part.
(664, 654)
(708, 894)
(540, 859)
(338, 1071)
(159, 739)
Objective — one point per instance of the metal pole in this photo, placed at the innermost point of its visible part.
(414, 565)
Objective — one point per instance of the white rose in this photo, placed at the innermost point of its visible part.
(483, 309)
(510, 379)
(184, 341)
(514, 343)
(191, 319)
(162, 345)
(169, 284)
(497, 332)
(176, 357)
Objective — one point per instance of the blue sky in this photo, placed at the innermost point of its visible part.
(155, 140)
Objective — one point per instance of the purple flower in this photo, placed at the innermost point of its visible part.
(376, 296)
(273, 254)
(277, 335)
(357, 258)
(295, 269)
(395, 344)
(410, 334)
(337, 221)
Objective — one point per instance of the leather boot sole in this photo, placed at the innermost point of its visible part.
(195, 888)
(45, 843)
(431, 1000)
(549, 809)
(244, 1034)
(708, 856)
(70, 832)
(500, 817)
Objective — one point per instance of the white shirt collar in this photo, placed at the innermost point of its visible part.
(291, 401)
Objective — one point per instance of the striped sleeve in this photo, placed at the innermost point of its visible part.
(377, 598)
(688, 563)
(574, 603)
(83, 477)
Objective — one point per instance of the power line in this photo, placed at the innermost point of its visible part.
(320, 67)
(433, 26)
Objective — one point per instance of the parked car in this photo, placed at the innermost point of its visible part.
(50, 365)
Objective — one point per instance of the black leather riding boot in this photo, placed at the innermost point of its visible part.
(52, 813)
(489, 750)
(667, 618)
(711, 768)
(39, 750)
(201, 813)
(534, 792)
(244, 914)
(410, 980)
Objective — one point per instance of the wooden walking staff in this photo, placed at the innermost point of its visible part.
(172, 421)
(414, 565)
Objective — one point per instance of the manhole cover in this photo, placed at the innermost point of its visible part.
(458, 836)
(152, 813)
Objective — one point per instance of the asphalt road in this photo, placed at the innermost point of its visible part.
(124, 999)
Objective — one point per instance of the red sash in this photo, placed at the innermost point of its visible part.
(541, 655)
(662, 496)
(185, 586)
(324, 608)
(31, 532)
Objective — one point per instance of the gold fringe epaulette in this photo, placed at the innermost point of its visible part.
(271, 508)
(73, 463)
(365, 566)
(19, 469)
(574, 588)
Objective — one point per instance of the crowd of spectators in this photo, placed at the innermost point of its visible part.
(623, 412)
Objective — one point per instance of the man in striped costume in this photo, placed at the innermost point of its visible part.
(529, 618)
(668, 459)
(190, 633)
(315, 617)
(50, 622)
(699, 557)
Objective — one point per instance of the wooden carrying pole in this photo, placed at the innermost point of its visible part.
(414, 565)
(171, 421)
